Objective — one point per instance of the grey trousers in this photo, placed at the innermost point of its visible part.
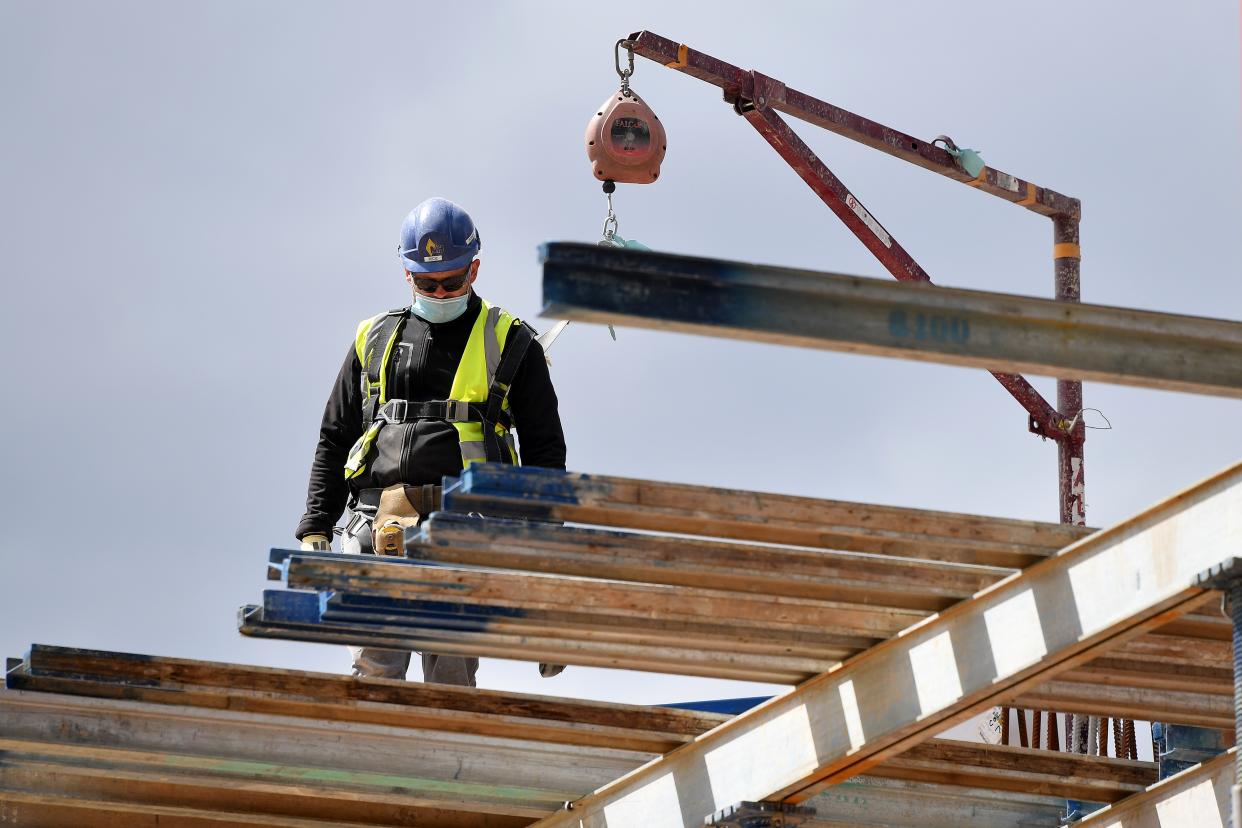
(374, 662)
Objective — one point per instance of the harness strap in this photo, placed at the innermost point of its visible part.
(454, 411)
(382, 332)
(520, 337)
(497, 449)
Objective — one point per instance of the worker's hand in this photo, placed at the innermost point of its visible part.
(317, 543)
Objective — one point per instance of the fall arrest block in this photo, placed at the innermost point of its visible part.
(625, 143)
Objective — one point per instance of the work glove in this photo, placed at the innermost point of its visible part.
(316, 543)
(550, 670)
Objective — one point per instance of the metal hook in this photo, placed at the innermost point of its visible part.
(610, 223)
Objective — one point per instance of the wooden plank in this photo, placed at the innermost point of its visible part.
(1198, 796)
(874, 802)
(362, 613)
(1017, 634)
(999, 332)
(1069, 693)
(999, 767)
(148, 778)
(548, 648)
(450, 538)
(865, 802)
(19, 808)
(1146, 675)
(781, 653)
(500, 490)
(260, 690)
(147, 732)
(137, 781)
(264, 690)
(426, 767)
(528, 595)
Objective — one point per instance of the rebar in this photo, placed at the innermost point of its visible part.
(1235, 614)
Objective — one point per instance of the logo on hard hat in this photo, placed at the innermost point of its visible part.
(431, 251)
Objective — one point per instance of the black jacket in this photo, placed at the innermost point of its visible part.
(433, 450)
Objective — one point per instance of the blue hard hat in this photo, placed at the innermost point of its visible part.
(438, 236)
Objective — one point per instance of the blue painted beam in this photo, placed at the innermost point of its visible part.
(999, 332)
(730, 706)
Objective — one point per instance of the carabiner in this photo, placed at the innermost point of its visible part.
(616, 60)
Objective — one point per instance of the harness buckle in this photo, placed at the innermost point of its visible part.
(458, 411)
(394, 411)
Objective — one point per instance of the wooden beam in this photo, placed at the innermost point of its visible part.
(269, 691)
(399, 603)
(450, 538)
(499, 490)
(142, 733)
(883, 802)
(51, 781)
(554, 647)
(998, 332)
(1147, 675)
(998, 767)
(518, 617)
(1198, 796)
(481, 774)
(21, 808)
(72, 789)
(876, 802)
(1017, 634)
(1074, 692)
(651, 606)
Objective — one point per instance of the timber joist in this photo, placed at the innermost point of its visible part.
(144, 740)
(879, 670)
(999, 332)
(706, 605)
(1031, 637)
(1180, 678)
(453, 539)
(499, 490)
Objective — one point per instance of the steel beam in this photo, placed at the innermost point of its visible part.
(1050, 618)
(849, 313)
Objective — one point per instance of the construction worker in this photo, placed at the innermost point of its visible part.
(426, 390)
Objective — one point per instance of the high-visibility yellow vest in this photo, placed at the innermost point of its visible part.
(477, 401)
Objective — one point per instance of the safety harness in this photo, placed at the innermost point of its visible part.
(483, 424)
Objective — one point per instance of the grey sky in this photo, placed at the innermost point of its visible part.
(200, 201)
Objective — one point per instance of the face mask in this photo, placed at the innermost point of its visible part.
(440, 310)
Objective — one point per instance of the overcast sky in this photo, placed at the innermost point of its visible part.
(198, 202)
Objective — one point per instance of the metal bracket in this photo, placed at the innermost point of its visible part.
(1221, 576)
(1057, 428)
(768, 92)
(760, 815)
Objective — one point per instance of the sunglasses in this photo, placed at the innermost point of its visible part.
(426, 284)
